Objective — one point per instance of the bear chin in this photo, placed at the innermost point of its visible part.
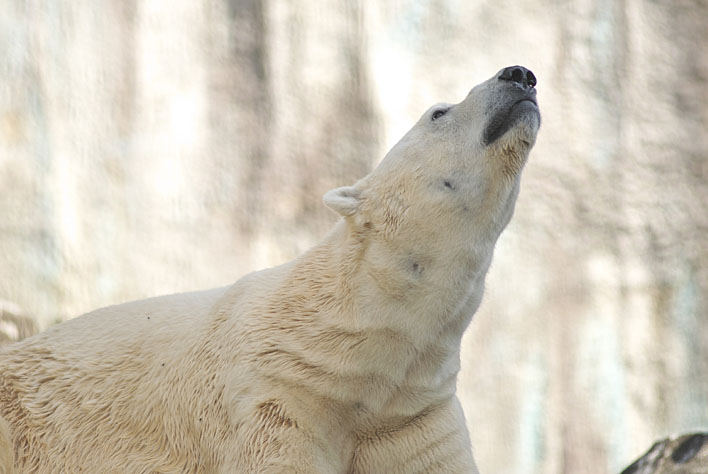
(522, 112)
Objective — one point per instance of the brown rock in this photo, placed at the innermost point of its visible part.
(687, 454)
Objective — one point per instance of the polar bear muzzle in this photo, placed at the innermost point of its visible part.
(517, 103)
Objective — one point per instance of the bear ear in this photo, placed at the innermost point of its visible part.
(344, 201)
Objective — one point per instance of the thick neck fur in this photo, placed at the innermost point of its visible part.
(356, 337)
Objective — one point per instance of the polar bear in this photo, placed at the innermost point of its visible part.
(342, 361)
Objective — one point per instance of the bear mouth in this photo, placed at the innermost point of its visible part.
(505, 119)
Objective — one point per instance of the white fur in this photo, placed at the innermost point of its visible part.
(341, 361)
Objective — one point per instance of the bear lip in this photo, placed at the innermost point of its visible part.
(525, 99)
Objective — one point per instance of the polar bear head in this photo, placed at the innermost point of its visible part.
(436, 204)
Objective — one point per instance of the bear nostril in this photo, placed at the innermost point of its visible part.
(531, 79)
(517, 75)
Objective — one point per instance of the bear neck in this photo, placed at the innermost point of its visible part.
(365, 297)
(406, 351)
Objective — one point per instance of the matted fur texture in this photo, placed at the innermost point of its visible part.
(342, 361)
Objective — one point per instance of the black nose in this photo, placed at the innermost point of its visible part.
(519, 75)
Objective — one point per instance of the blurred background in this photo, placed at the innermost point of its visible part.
(153, 146)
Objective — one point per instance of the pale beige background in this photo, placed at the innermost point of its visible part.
(155, 146)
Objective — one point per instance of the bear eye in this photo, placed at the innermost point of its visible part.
(438, 113)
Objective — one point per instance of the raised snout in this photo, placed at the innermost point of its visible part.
(514, 104)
